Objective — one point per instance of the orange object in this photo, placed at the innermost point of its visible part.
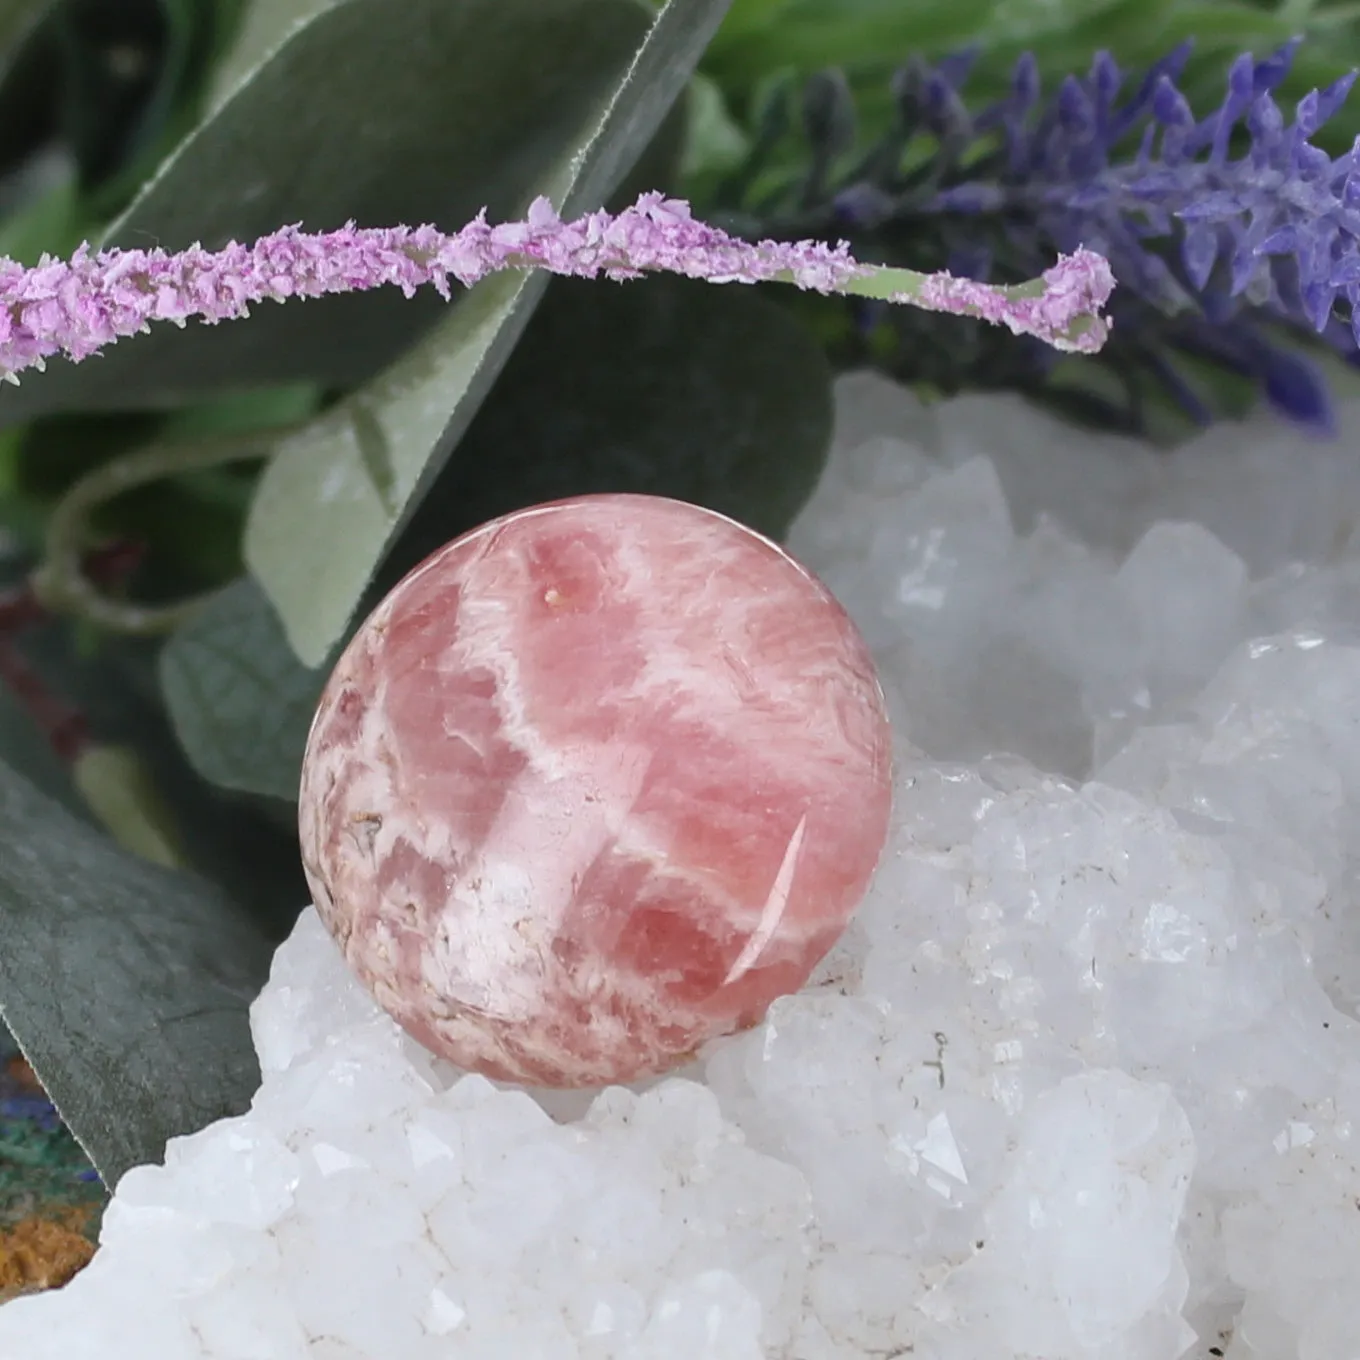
(42, 1253)
(18, 1071)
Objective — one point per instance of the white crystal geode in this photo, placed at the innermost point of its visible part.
(1081, 1082)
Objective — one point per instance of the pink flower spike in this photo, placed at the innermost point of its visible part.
(76, 308)
(1063, 308)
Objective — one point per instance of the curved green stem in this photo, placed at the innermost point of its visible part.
(62, 586)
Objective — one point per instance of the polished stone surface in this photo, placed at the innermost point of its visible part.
(595, 783)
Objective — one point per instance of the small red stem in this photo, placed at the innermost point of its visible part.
(64, 725)
(111, 565)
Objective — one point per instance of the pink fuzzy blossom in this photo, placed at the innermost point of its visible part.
(77, 307)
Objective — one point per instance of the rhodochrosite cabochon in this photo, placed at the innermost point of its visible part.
(595, 783)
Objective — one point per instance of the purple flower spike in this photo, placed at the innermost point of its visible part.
(75, 308)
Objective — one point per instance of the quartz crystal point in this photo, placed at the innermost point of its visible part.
(595, 783)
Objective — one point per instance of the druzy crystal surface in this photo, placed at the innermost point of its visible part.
(596, 782)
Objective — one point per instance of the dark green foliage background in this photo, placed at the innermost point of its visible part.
(170, 121)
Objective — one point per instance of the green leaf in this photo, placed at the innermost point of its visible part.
(334, 493)
(263, 29)
(22, 743)
(717, 143)
(239, 700)
(747, 17)
(27, 74)
(119, 789)
(28, 751)
(333, 499)
(45, 223)
(158, 113)
(240, 413)
(424, 111)
(18, 18)
(811, 35)
(665, 387)
(125, 985)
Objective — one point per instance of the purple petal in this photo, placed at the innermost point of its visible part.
(1199, 253)
(1312, 162)
(1307, 113)
(956, 67)
(969, 198)
(863, 205)
(1105, 78)
(1270, 72)
(1287, 240)
(1319, 297)
(1089, 196)
(1245, 266)
(1170, 107)
(1075, 110)
(1169, 66)
(1218, 206)
(1296, 389)
(1265, 122)
(1025, 82)
(1345, 273)
(1236, 101)
(1334, 96)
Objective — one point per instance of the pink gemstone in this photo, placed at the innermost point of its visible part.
(595, 783)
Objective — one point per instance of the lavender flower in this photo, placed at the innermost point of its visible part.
(1225, 230)
(76, 308)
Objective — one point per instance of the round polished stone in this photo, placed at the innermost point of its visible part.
(594, 784)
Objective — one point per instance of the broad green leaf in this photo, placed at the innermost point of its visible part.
(119, 789)
(333, 494)
(111, 87)
(17, 19)
(423, 111)
(665, 387)
(25, 80)
(239, 414)
(46, 223)
(240, 701)
(23, 746)
(190, 33)
(262, 30)
(716, 143)
(747, 17)
(811, 35)
(126, 985)
(334, 497)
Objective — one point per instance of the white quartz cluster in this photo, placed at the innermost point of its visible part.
(1081, 1083)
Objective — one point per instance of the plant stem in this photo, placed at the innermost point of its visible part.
(60, 583)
